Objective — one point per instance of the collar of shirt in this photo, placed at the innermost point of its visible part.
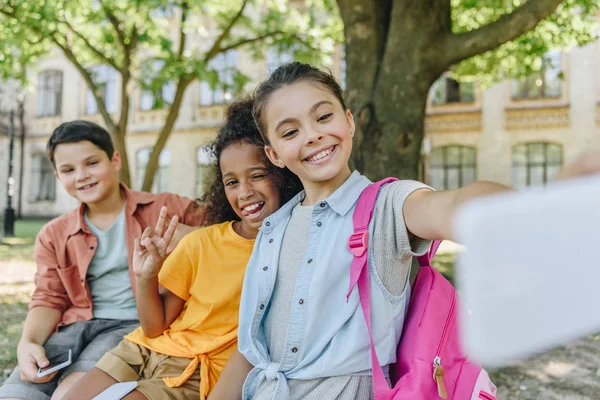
(340, 201)
(132, 200)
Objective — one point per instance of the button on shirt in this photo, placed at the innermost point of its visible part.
(326, 336)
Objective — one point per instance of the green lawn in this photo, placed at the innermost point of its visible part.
(15, 296)
(20, 248)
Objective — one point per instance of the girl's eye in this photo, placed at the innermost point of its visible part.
(324, 117)
(93, 162)
(230, 183)
(289, 133)
(67, 171)
(259, 176)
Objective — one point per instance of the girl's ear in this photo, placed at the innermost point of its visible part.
(350, 119)
(272, 156)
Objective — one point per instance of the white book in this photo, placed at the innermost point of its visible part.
(530, 277)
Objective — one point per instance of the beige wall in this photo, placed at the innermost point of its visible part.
(495, 123)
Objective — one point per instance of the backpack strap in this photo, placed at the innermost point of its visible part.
(425, 259)
(359, 272)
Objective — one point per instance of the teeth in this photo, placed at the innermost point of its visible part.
(252, 207)
(320, 155)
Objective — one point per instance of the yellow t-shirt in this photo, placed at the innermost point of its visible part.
(206, 269)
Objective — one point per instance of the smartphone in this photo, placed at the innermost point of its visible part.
(116, 391)
(529, 278)
(57, 362)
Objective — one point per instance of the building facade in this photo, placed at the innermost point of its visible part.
(516, 132)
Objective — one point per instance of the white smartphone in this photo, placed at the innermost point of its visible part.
(117, 391)
(529, 278)
(57, 362)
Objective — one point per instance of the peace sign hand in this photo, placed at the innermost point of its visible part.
(151, 250)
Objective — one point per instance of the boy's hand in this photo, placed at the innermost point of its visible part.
(32, 356)
(151, 250)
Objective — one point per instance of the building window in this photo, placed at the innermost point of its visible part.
(451, 167)
(276, 58)
(535, 163)
(49, 93)
(43, 183)
(161, 98)
(544, 83)
(105, 78)
(446, 90)
(221, 90)
(205, 157)
(161, 177)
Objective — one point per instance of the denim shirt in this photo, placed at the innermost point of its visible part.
(327, 335)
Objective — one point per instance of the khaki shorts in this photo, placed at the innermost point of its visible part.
(131, 362)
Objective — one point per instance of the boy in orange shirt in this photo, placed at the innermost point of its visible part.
(83, 300)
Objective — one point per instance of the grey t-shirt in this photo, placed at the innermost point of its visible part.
(108, 273)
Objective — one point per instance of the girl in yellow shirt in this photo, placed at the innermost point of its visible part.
(188, 303)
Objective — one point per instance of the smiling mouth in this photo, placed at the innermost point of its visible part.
(88, 186)
(252, 211)
(320, 155)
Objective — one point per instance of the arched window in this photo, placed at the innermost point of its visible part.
(451, 167)
(277, 57)
(221, 91)
(49, 93)
(106, 79)
(43, 182)
(535, 163)
(161, 177)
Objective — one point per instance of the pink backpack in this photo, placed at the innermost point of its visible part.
(430, 362)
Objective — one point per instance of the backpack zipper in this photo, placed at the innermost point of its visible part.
(438, 369)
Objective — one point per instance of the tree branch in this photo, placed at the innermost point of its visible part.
(216, 47)
(90, 46)
(506, 28)
(247, 41)
(115, 24)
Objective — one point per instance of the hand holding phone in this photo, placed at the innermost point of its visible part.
(30, 356)
(56, 363)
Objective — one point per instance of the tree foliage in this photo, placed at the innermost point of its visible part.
(151, 43)
(572, 24)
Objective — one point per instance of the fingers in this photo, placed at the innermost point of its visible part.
(151, 247)
(148, 232)
(170, 231)
(137, 247)
(162, 218)
(39, 356)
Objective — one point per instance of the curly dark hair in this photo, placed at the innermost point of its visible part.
(240, 127)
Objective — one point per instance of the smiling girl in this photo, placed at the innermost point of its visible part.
(302, 337)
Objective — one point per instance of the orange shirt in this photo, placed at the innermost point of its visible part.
(65, 246)
(207, 271)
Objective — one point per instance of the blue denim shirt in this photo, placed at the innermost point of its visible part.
(326, 335)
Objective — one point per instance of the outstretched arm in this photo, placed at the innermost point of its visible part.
(430, 215)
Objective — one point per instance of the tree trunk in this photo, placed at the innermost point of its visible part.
(153, 162)
(395, 49)
(392, 60)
